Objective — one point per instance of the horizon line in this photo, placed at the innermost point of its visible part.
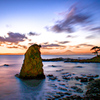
(47, 54)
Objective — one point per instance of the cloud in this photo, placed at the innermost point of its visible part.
(32, 43)
(11, 47)
(90, 37)
(33, 34)
(46, 43)
(17, 46)
(13, 38)
(2, 39)
(95, 29)
(84, 44)
(72, 18)
(23, 46)
(63, 42)
(70, 36)
(8, 26)
(51, 46)
(48, 48)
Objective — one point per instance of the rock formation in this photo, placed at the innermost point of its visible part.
(32, 65)
(93, 90)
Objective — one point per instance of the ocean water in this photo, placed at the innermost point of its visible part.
(12, 88)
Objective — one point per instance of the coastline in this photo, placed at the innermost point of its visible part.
(95, 59)
(63, 80)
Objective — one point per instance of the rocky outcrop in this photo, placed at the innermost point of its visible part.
(92, 60)
(32, 65)
(93, 89)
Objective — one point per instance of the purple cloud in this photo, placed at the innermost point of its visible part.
(12, 47)
(22, 46)
(17, 46)
(63, 42)
(33, 34)
(13, 38)
(70, 36)
(95, 29)
(90, 37)
(73, 17)
(84, 44)
(51, 46)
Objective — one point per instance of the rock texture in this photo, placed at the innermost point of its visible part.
(93, 89)
(32, 65)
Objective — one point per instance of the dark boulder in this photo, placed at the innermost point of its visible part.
(5, 65)
(93, 89)
(84, 80)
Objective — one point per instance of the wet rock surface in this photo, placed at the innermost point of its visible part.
(77, 89)
(78, 67)
(6, 65)
(84, 79)
(54, 59)
(59, 70)
(54, 66)
(51, 77)
(65, 85)
(32, 65)
(93, 89)
(63, 90)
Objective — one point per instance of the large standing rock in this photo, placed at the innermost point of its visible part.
(32, 66)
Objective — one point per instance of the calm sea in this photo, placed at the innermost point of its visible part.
(12, 88)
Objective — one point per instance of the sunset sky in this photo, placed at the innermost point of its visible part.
(60, 26)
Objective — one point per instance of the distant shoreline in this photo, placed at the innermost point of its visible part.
(95, 59)
(50, 54)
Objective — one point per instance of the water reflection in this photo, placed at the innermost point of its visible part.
(12, 88)
(30, 89)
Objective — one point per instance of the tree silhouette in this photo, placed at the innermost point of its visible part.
(96, 49)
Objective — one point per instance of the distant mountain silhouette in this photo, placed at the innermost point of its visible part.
(69, 52)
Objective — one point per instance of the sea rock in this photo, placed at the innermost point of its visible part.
(51, 77)
(62, 88)
(32, 65)
(84, 80)
(57, 96)
(92, 76)
(93, 89)
(73, 97)
(74, 87)
(60, 93)
(91, 79)
(78, 77)
(66, 77)
(78, 66)
(96, 76)
(53, 85)
(62, 84)
(77, 89)
(67, 93)
(78, 84)
(5, 65)
(59, 70)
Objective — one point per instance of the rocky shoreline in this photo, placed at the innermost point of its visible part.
(92, 92)
(92, 60)
(92, 82)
